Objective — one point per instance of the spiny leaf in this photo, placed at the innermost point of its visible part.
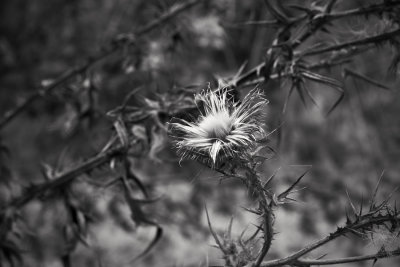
(300, 92)
(242, 234)
(137, 214)
(309, 94)
(384, 203)
(158, 140)
(348, 219)
(337, 102)
(361, 206)
(374, 262)
(285, 193)
(139, 217)
(271, 178)
(372, 202)
(156, 239)
(351, 204)
(221, 247)
(252, 211)
(333, 83)
(322, 79)
(285, 103)
(131, 176)
(229, 231)
(259, 228)
(348, 72)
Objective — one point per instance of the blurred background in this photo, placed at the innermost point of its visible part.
(347, 150)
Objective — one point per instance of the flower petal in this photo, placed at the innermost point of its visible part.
(216, 147)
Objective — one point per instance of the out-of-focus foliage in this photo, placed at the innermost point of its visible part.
(142, 196)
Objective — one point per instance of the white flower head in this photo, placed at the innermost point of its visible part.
(223, 130)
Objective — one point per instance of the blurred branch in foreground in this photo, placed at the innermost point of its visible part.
(120, 41)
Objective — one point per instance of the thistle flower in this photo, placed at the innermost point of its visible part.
(223, 129)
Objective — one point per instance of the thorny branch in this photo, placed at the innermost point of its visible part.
(362, 222)
(379, 255)
(365, 41)
(64, 178)
(328, 17)
(255, 75)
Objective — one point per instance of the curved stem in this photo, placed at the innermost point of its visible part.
(363, 224)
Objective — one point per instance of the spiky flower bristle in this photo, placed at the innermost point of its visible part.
(224, 129)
